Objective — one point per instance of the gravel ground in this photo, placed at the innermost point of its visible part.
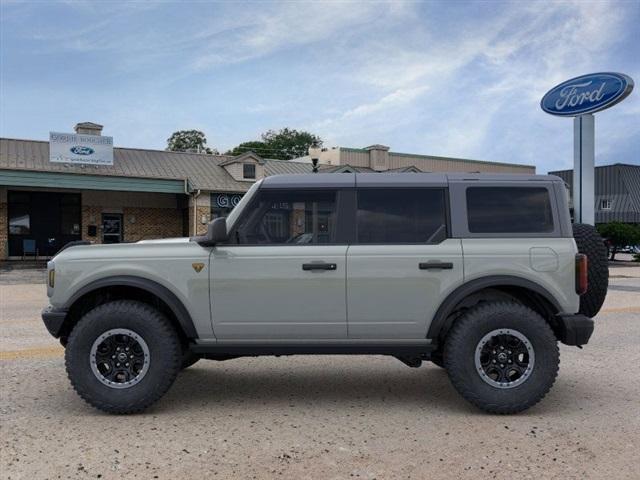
(321, 417)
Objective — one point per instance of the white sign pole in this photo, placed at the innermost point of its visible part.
(584, 169)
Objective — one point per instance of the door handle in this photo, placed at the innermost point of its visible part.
(435, 265)
(319, 266)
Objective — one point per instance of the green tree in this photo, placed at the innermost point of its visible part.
(289, 144)
(256, 147)
(188, 141)
(619, 235)
(283, 144)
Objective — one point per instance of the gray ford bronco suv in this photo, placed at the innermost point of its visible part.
(480, 274)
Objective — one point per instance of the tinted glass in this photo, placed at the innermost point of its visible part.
(509, 210)
(289, 218)
(401, 215)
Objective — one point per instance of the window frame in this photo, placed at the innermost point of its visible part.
(447, 214)
(460, 217)
(342, 202)
(608, 202)
(244, 173)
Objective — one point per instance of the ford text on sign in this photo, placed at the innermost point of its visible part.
(85, 149)
(587, 94)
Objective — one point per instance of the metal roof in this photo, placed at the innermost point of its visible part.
(285, 167)
(201, 170)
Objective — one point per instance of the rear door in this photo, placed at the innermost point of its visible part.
(402, 263)
(283, 275)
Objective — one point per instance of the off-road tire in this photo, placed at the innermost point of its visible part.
(188, 359)
(464, 337)
(590, 243)
(165, 356)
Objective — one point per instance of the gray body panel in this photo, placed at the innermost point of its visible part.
(263, 292)
(548, 262)
(389, 297)
(167, 263)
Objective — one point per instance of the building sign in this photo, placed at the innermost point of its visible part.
(587, 94)
(80, 149)
(225, 200)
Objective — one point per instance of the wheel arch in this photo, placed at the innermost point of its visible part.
(134, 288)
(526, 291)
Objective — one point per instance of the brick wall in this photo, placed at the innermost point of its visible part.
(142, 223)
(201, 228)
(91, 216)
(150, 223)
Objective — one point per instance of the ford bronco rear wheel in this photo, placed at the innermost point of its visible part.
(502, 357)
(122, 356)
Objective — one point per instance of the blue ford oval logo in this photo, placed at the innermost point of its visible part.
(80, 150)
(587, 94)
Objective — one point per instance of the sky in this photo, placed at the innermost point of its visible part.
(449, 78)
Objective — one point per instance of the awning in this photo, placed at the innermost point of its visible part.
(30, 178)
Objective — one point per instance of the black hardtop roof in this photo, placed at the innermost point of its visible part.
(345, 180)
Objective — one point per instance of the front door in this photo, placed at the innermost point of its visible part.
(402, 264)
(282, 275)
(111, 227)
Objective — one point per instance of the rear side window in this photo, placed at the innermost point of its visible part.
(401, 215)
(509, 210)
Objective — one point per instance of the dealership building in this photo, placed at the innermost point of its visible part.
(79, 187)
(616, 192)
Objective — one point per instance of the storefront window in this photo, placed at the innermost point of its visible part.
(223, 203)
(50, 219)
(19, 223)
(19, 218)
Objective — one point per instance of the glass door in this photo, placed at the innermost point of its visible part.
(111, 227)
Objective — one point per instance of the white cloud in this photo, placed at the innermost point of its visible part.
(484, 79)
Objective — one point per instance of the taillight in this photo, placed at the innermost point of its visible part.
(582, 281)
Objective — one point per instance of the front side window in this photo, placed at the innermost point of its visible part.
(509, 210)
(248, 170)
(288, 218)
(401, 215)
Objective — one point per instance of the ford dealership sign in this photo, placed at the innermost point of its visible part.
(80, 149)
(587, 94)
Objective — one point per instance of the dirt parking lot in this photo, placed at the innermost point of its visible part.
(320, 417)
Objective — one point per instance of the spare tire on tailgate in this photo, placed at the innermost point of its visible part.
(592, 245)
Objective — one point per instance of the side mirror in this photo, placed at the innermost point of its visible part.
(216, 233)
(217, 230)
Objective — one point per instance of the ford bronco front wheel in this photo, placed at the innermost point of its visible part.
(502, 357)
(122, 356)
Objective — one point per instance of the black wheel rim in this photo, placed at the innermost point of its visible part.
(504, 358)
(119, 358)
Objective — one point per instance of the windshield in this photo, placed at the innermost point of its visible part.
(233, 216)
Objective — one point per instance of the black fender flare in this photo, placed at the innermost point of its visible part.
(441, 321)
(163, 293)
